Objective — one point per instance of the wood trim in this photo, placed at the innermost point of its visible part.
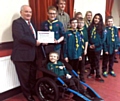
(5, 52)
(6, 45)
(10, 93)
(6, 49)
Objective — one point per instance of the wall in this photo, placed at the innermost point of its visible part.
(96, 6)
(8, 75)
(116, 12)
(9, 10)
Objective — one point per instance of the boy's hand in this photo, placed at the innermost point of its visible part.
(116, 50)
(68, 76)
(106, 52)
(92, 46)
(85, 52)
(56, 41)
(80, 58)
(66, 59)
(61, 67)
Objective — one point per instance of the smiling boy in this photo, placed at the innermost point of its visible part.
(53, 25)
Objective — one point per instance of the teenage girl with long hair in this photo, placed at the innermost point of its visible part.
(96, 39)
(88, 18)
(88, 21)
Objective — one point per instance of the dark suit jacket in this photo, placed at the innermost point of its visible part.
(24, 41)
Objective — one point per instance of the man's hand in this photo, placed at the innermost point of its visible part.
(44, 43)
(37, 43)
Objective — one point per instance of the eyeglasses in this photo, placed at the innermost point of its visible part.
(52, 13)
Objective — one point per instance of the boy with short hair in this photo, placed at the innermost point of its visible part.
(84, 42)
(72, 45)
(110, 47)
(52, 24)
(58, 68)
(62, 15)
(78, 15)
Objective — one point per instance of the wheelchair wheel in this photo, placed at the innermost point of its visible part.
(47, 90)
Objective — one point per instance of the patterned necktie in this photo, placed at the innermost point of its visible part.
(112, 34)
(82, 37)
(30, 27)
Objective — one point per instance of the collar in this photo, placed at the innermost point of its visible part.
(110, 27)
(80, 29)
(89, 21)
(52, 21)
(25, 20)
(72, 30)
(61, 12)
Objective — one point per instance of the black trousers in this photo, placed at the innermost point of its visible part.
(94, 62)
(27, 76)
(74, 63)
(81, 67)
(88, 55)
(108, 58)
(74, 84)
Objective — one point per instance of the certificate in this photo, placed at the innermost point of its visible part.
(45, 36)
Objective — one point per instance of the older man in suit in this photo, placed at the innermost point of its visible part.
(24, 51)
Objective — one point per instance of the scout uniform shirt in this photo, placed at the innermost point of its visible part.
(55, 26)
(83, 37)
(96, 39)
(111, 40)
(55, 68)
(72, 45)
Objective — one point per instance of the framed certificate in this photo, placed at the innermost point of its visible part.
(45, 36)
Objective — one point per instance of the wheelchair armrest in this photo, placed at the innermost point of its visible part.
(45, 70)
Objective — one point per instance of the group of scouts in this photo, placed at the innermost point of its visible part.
(84, 36)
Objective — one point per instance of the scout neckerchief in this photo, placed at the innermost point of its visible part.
(93, 35)
(82, 37)
(112, 34)
(76, 38)
(50, 24)
(56, 65)
(87, 23)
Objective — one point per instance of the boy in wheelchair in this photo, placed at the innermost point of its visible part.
(59, 69)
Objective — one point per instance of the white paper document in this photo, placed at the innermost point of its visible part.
(45, 36)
